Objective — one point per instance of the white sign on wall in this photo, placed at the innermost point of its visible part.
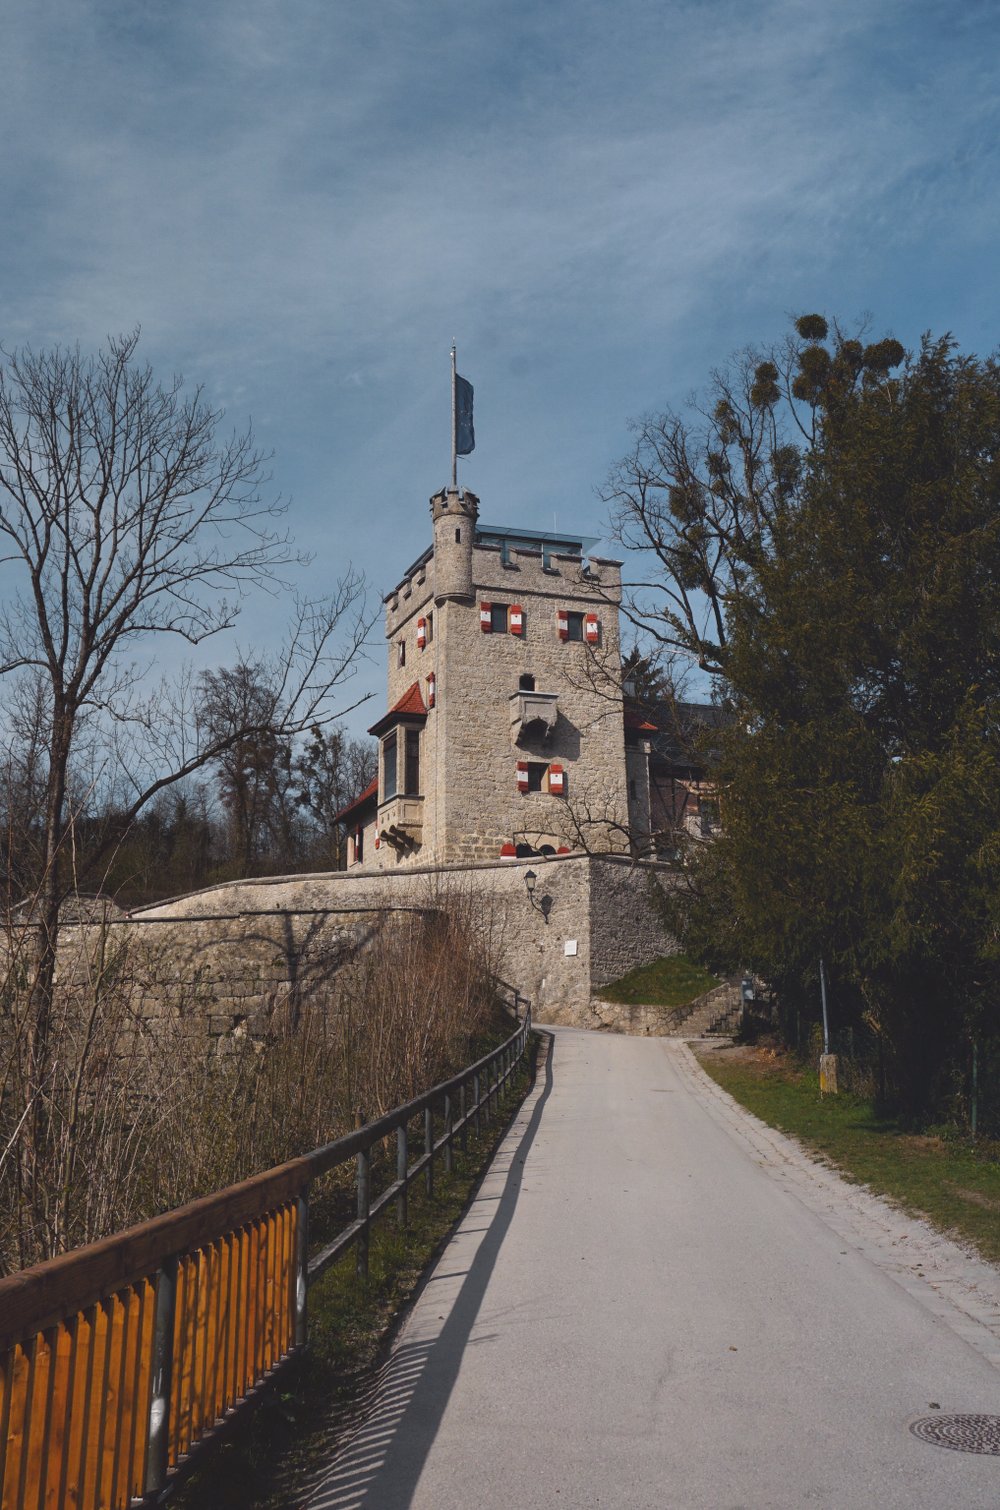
(569, 947)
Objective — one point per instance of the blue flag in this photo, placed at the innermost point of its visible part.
(465, 435)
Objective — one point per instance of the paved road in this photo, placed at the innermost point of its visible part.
(655, 1302)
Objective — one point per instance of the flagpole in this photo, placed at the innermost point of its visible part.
(454, 423)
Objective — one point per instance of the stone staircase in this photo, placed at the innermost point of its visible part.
(716, 1013)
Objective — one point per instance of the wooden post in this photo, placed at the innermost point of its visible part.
(402, 1171)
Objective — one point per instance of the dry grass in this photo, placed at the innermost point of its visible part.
(137, 1115)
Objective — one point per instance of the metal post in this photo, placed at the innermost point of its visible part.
(301, 1268)
(454, 424)
(975, 1086)
(826, 1019)
(364, 1205)
(162, 1374)
(429, 1150)
(449, 1159)
(402, 1170)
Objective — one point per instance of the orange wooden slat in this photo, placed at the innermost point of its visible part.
(60, 1406)
(252, 1285)
(175, 1392)
(126, 1397)
(270, 1297)
(93, 1407)
(202, 1325)
(211, 1371)
(20, 1383)
(71, 1475)
(226, 1334)
(260, 1309)
(111, 1411)
(143, 1384)
(6, 1380)
(185, 1359)
(239, 1313)
(286, 1228)
(35, 1444)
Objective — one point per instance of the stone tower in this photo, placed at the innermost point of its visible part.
(504, 734)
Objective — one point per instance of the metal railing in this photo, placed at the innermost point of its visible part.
(119, 1360)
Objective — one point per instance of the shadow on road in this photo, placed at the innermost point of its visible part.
(381, 1465)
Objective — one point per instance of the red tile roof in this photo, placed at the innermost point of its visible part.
(410, 705)
(370, 791)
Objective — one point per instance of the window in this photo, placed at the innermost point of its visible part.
(536, 775)
(359, 846)
(498, 618)
(430, 627)
(401, 653)
(574, 626)
(412, 774)
(389, 766)
(458, 537)
(526, 682)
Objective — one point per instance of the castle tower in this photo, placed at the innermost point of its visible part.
(504, 730)
(454, 512)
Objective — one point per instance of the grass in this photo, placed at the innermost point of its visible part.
(669, 982)
(944, 1178)
(267, 1458)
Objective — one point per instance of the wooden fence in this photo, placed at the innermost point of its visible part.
(119, 1360)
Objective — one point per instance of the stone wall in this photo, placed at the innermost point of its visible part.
(264, 941)
(626, 920)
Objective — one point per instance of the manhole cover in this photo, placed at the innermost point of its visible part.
(960, 1433)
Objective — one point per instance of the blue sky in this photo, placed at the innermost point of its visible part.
(302, 203)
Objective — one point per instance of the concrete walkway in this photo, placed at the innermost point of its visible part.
(655, 1301)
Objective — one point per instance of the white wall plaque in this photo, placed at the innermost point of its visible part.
(569, 947)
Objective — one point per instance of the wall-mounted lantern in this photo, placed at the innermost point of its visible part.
(544, 904)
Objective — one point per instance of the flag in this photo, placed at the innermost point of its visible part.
(465, 435)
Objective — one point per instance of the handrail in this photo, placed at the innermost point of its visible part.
(120, 1359)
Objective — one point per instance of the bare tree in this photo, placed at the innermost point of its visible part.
(125, 520)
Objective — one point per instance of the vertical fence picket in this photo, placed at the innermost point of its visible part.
(449, 1160)
(402, 1176)
(429, 1150)
(364, 1205)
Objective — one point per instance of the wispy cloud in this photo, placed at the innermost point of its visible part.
(302, 202)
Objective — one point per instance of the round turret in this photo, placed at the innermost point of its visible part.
(454, 512)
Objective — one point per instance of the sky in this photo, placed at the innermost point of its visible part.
(303, 203)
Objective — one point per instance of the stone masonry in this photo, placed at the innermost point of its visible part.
(485, 618)
(247, 943)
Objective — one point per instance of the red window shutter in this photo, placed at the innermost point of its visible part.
(507, 851)
(431, 686)
(592, 628)
(522, 775)
(562, 622)
(557, 781)
(421, 633)
(486, 617)
(516, 618)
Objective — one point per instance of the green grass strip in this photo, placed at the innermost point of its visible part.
(954, 1185)
(669, 982)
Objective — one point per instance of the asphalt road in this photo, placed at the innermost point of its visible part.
(655, 1302)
